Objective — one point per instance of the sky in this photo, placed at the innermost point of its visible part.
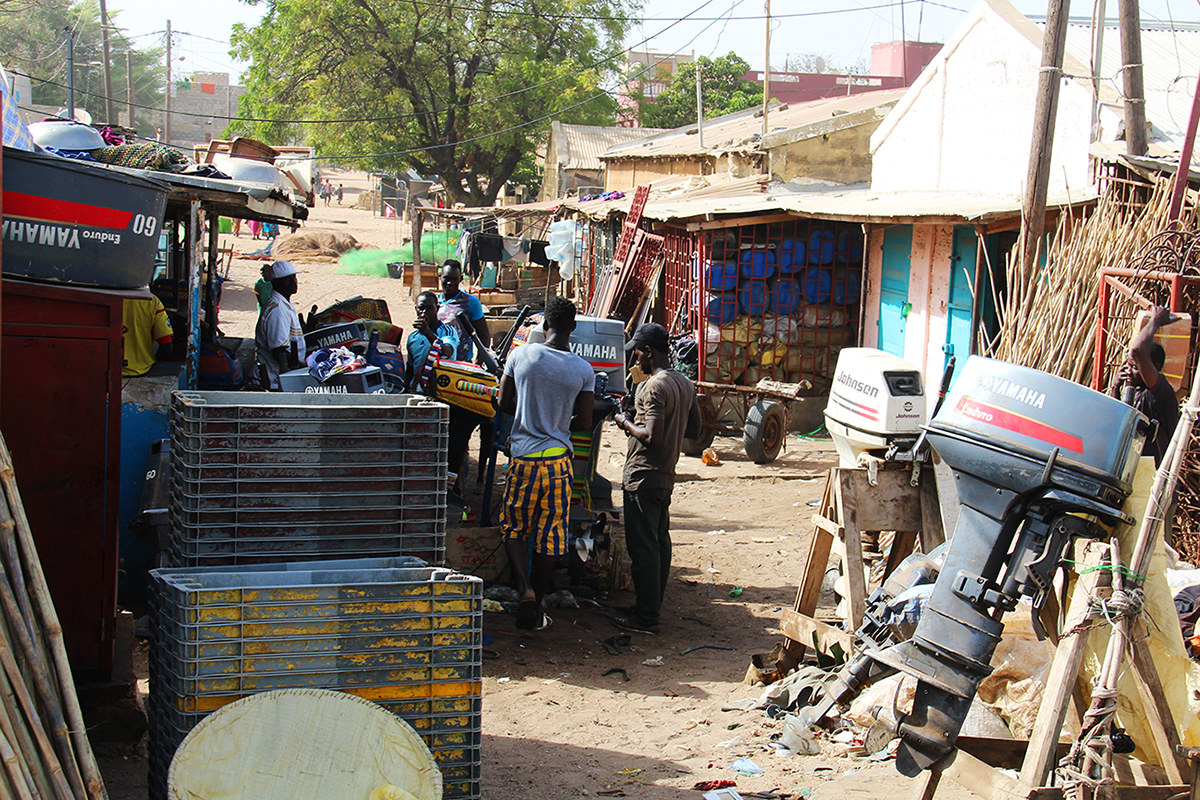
(713, 28)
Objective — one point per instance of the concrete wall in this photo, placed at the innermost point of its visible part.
(628, 173)
(967, 122)
(843, 156)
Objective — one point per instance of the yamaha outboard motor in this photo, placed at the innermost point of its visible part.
(1035, 459)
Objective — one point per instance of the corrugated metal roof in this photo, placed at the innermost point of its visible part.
(741, 131)
(1171, 61)
(581, 145)
(826, 201)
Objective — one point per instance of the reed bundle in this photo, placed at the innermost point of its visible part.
(44, 749)
(1047, 320)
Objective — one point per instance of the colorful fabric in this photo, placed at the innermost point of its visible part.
(16, 134)
(145, 323)
(448, 311)
(537, 503)
(143, 156)
(418, 353)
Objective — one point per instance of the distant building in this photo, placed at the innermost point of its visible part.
(894, 65)
(572, 163)
(201, 106)
(649, 72)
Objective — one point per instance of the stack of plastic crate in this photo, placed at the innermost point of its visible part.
(406, 637)
(262, 477)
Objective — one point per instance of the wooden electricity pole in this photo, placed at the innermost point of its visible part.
(167, 133)
(1033, 207)
(109, 117)
(1131, 64)
(129, 84)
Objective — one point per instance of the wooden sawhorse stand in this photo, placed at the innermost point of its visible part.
(857, 501)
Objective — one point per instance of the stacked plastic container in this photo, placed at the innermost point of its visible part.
(393, 631)
(272, 477)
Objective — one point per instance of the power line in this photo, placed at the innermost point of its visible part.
(400, 117)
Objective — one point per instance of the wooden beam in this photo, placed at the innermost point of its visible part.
(989, 783)
(811, 632)
(735, 222)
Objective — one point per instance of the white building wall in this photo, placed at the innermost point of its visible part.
(968, 122)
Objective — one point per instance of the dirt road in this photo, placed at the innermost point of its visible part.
(558, 721)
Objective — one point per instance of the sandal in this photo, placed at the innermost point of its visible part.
(546, 622)
(529, 614)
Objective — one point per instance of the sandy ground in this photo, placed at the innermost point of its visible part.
(556, 722)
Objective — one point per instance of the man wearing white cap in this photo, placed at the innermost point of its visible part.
(278, 336)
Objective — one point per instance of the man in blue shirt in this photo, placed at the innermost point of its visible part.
(453, 302)
(426, 331)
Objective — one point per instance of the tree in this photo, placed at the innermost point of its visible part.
(461, 89)
(33, 42)
(724, 91)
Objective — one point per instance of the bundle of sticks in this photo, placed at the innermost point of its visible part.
(1047, 320)
(44, 747)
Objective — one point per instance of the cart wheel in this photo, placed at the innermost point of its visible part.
(708, 415)
(766, 424)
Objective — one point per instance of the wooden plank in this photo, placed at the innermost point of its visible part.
(933, 533)
(893, 504)
(1115, 791)
(925, 785)
(1064, 674)
(902, 546)
(737, 222)
(817, 559)
(856, 580)
(827, 525)
(969, 772)
(1001, 753)
(1158, 711)
(802, 630)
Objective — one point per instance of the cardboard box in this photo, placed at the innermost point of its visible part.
(476, 551)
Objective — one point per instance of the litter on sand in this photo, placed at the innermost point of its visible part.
(746, 767)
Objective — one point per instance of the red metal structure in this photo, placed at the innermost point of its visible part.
(61, 418)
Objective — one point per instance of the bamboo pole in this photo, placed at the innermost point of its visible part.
(43, 687)
(62, 790)
(12, 766)
(38, 786)
(24, 736)
(51, 628)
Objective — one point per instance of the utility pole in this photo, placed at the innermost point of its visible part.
(168, 123)
(1033, 208)
(1131, 64)
(129, 84)
(699, 104)
(70, 74)
(109, 116)
(1097, 63)
(767, 72)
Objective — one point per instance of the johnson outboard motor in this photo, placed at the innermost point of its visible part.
(1036, 458)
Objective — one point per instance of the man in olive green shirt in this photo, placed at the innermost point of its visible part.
(665, 412)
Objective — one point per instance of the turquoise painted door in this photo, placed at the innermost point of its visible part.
(961, 300)
(893, 288)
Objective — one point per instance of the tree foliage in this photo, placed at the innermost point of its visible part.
(453, 88)
(724, 90)
(33, 42)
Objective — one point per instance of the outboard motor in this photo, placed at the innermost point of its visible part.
(1036, 458)
(876, 405)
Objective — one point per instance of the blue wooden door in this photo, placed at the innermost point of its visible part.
(893, 288)
(961, 300)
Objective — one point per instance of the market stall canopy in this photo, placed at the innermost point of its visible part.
(229, 198)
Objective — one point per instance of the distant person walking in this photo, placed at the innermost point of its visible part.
(664, 413)
(339, 194)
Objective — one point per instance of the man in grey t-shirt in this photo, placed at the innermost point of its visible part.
(549, 391)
